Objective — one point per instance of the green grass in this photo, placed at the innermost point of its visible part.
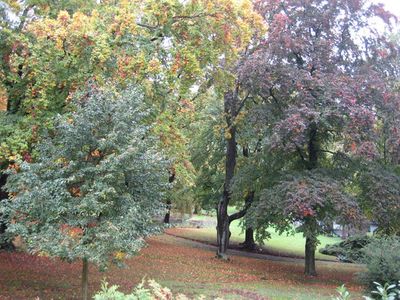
(292, 245)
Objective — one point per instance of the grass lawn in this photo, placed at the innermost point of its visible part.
(285, 245)
(183, 267)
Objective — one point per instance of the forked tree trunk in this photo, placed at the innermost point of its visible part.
(85, 276)
(223, 234)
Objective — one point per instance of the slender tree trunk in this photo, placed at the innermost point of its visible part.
(171, 179)
(249, 242)
(311, 223)
(223, 234)
(85, 276)
(168, 213)
(310, 257)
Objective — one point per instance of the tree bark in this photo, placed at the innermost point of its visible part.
(168, 213)
(223, 234)
(310, 257)
(311, 224)
(171, 179)
(249, 242)
(85, 276)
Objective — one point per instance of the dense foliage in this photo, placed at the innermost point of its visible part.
(96, 186)
(317, 89)
(288, 110)
(382, 258)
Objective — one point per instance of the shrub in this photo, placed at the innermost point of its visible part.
(382, 258)
(147, 290)
(381, 292)
(349, 250)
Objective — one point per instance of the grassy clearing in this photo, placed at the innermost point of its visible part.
(178, 264)
(285, 245)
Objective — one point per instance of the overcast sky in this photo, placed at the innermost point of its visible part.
(391, 5)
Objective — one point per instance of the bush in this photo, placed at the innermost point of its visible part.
(147, 290)
(349, 250)
(381, 292)
(382, 258)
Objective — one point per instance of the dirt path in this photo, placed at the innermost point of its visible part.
(243, 253)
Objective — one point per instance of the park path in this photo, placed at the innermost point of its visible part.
(231, 252)
(242, 253)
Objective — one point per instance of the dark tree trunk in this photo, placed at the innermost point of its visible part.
(169, 203)
(310, 257)
(249, 242)
(85, 277)
(197, 209)
(223, 234)
(168, 213)
(311, 224)
(3, 226)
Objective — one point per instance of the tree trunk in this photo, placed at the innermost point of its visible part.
(222, 230)
(311, 224)
(230, 106)
(310, 257)
(249, 242)
(85, 276)
(168, 213)
(171, 179)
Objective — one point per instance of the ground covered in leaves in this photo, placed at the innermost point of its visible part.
(183, 266)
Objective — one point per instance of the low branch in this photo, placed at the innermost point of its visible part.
(242, 213)
(242, 103)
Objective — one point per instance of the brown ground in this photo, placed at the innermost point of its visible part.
(166, 259)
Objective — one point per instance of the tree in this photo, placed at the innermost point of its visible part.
(171, 48)
(96, 185)
(318, 77)
(309, 198)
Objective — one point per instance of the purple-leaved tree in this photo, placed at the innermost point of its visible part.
(320, 76)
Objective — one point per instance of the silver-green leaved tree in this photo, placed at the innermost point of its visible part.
(94, 189)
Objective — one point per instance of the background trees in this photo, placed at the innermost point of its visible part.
(170, 48)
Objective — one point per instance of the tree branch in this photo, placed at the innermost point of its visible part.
(241, 213)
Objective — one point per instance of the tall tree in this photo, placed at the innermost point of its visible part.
(318, 75)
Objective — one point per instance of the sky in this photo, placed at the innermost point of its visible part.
(391, 5)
